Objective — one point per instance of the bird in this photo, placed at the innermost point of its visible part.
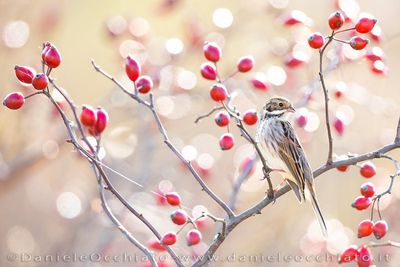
(283, 152)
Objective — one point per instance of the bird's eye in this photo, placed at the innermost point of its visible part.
(281, 104)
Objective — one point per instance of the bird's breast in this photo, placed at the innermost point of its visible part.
(271, 134)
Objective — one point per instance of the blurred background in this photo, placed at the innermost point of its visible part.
(49, 203)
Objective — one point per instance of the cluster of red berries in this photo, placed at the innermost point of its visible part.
(364, 201)
(95, 120)
(367, 227)
(143, 83)
(336, 21)
(362, 255)
(178, 217)
(219, 93)
(27, 75)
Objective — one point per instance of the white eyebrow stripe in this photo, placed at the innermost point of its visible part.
(276, 112)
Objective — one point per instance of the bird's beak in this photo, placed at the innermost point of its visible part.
(291, 109)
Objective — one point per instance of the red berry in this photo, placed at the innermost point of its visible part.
(156, 245)
(168, 239)
(259, 82)
(364, 257)
(226, 141)
(250, 117)
(380, 229)
(376, 33)
(375, 53)
(46, 47)
(40, 81)
(365, 25)
(365, 228)
(336, 20)
(208, 71)
(132, 68)
(14, 100)
(159, 197)
(222, 118)
(358, 43)
(245, 164)
(295, 17)
(24, 74)
(193, 237)
(342, 168)
(173, 198)
(316, 40)
(159, 264)
(367, 189)
(339, 126)
(367, 169)
(292, 61)
(378, 67)
(340, 89)
(212, 51)
(301, 119)
(349, 254)
(361, 203)
(245, 64)
(88, 116)
(102, 120)
(52, 57)
(179, 217)
(218, 92)
(144, 84)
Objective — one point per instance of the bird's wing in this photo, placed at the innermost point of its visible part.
(291, 152)
(293, 155)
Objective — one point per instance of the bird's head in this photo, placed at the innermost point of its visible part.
(278, 106)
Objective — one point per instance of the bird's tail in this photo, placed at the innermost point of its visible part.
(310, 194)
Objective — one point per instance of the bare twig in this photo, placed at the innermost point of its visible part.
(208, 114)
(326, 96)
(167, 141)
(386, 244)
(239, 181)
(93, 160)
(397, 138)
(266, 169)
(37, 93)
(256, 209)
(124, 231)
(345, 30)
(340, 40)
(233, 220)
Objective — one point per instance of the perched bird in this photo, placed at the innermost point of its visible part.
(284, 152)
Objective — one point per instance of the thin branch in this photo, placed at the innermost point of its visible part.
(124, 231)
(266, 169)
(386, 244)
(167, 141)
(37, 93)
(256, 209)
(345, 30)
(126, 91)
(93, 160)
(340, 40)
(326, 97)
(239, 181)
(397, 138)
(392, 177)
(208, 114)
(73, 109)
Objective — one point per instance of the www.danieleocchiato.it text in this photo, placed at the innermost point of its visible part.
(234, 257)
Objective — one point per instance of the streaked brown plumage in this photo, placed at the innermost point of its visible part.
(283, 151)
